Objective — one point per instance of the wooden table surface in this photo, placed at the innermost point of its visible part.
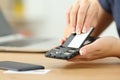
(103, 69)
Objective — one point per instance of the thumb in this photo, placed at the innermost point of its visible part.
(87, 49)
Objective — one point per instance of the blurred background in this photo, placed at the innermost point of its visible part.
(40, 17)
(36, 17)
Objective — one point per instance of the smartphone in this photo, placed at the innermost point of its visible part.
(72, 46)
(19, 66)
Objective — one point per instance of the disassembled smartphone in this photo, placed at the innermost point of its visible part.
(72, 46)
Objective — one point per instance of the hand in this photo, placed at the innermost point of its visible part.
(82, 15)
(101, 48)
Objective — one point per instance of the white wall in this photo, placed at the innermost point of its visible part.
(111, 31)
(48, 17)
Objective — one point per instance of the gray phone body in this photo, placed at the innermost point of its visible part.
(72, 46)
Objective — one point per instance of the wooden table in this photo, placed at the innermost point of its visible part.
(104, 69)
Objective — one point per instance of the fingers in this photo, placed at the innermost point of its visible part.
(63, 40)
(87, 53)
(84, 5)
(68, 15)
(88, 49)
(91, 18)
(82, 15)
(73, 16)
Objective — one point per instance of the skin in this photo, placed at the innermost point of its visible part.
(83, 14)
(96, 50)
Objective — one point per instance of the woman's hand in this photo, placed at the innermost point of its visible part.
(101, 48)
(82, 15)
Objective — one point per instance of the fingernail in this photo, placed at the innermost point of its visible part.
(84, 30)
(78, 32)
(82, 52)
